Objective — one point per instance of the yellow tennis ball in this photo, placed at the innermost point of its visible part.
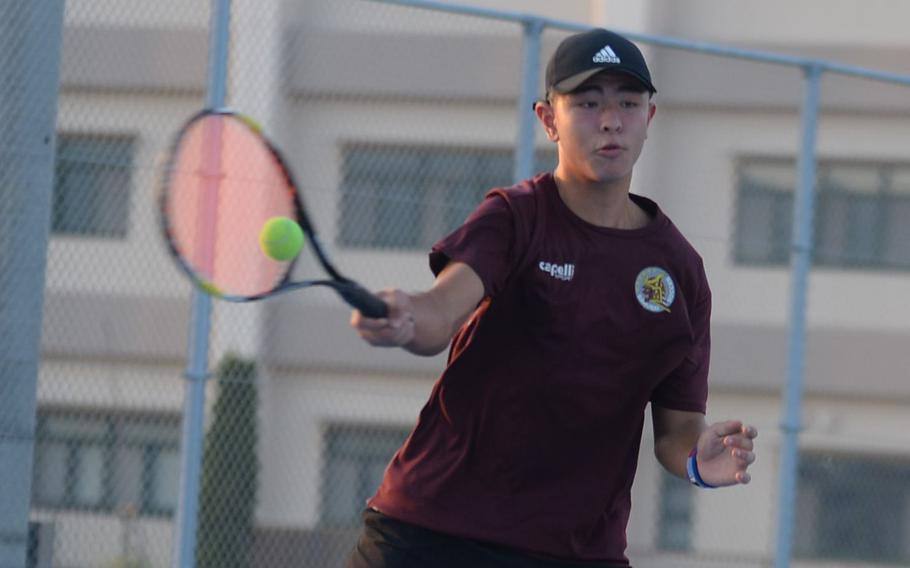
(281, 238)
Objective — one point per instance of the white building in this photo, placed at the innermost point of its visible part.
(386, 113)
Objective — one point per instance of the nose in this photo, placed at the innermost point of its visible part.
(610, 120)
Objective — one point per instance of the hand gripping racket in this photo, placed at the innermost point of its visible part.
(222, 180)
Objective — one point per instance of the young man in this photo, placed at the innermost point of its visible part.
(573, 305)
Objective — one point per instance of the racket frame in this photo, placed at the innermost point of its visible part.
(349, 290)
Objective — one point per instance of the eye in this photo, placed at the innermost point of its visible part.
(629, 104)
(587, 104)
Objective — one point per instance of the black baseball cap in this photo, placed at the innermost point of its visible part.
(583, 55)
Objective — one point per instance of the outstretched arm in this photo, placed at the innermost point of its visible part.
(724, 449)
(424, 323)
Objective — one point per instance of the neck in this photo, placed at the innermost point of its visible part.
(604, 204)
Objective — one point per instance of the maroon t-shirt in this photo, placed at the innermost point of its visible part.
(531, 435)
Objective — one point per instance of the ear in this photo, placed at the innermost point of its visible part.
(546, 116)
(652, 110)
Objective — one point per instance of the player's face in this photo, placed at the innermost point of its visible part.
(601, 128)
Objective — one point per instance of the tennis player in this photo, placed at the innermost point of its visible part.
(568, 305)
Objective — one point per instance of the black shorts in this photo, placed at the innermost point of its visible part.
(389, 543)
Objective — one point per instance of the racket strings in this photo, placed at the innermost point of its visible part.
(224, 182)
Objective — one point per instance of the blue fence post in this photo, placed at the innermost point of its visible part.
(200, 327)
(530, 65)
(801, 262)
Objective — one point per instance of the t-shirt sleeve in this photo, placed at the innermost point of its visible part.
(686, 387)
(484, 242)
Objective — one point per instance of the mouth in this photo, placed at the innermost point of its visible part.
(610, 150)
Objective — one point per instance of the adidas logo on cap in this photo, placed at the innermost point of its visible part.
(582, 55)
(606, 55)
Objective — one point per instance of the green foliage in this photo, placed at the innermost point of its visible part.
(229, 470)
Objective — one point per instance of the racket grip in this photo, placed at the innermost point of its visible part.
(368, 304)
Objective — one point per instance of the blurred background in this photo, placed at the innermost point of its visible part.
(397, 120)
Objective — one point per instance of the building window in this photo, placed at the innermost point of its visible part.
(107, 463)
(860, 214)
(674, 525)
(408, 197)
(354, 458)
(92, 185)
(853, 509)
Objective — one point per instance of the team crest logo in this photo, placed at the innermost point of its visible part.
(655, 289)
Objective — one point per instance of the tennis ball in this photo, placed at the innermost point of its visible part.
(281, 238)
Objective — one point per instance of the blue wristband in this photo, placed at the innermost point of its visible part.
(692, 471)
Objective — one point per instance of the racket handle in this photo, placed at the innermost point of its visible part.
(368, 304)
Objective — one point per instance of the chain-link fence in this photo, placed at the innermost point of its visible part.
(110, 386)
(397, 120)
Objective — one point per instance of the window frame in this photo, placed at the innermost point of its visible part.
(91, 159)
(436, 208)
(814, 465)
(113, 443)
(394, 435)
(846, 255)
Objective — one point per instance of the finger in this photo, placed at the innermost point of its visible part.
(743, 477)
(360, 321)
(396, 331)
(395, 301)
(750, 431)
(405, 334)
(369, 324)
(386, 338)
(738, 441)
(726, 428)
(743, 457)
(402, 328)
(396, 318)
(400, 320)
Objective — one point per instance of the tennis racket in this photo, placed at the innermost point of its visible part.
(222, 180)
